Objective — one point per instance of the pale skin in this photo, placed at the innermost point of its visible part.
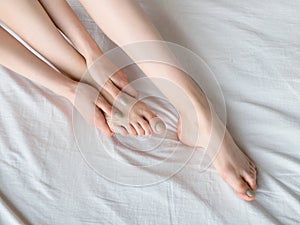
(232, 164)
(32, 23)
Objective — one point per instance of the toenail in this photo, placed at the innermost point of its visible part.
(123, 101)
(159, 126)
(250, 193)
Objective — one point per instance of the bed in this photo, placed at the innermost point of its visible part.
(253, 49)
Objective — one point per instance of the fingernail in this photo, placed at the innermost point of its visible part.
(250, 193)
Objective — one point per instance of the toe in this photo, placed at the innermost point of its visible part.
(131, 130)
(243, 190)
(250, 178)
(145, 125)
(252, 170)
(146, 112)
(239, 185)
(157, 125)
(140, 131)
(121, 130)
(252, 164)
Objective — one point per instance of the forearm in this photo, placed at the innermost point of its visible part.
(67, 21)
(19, 59)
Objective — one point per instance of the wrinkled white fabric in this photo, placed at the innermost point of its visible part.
(252, 47)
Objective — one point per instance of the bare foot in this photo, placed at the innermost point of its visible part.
(129, 116)
(231, 163)
(236, 169)
(133, 117)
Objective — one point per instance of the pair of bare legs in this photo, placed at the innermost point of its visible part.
(31, 22)
(119, 19)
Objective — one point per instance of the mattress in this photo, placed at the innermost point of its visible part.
(252, 48)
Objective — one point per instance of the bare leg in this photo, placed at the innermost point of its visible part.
(19, 59)
(233, 165)
(32, 23)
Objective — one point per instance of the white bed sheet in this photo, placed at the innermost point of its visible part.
(252, 47)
